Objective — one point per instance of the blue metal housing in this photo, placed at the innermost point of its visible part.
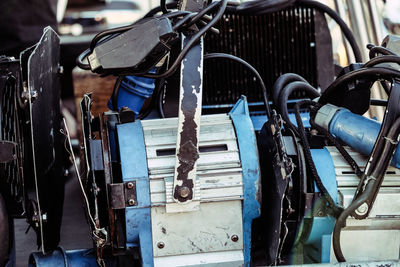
(70, 258)
(318, 244)
(251, 171)
(134, 168)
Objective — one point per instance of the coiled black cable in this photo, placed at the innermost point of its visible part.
(336, 211)
(281, 82)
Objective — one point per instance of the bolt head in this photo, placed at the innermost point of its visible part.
(363, 209)
(129, 185)
(184, 192)
(131, 202)
(160, 245)
(235, 238)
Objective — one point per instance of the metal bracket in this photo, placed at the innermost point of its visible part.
(122, 195)
(187, 152)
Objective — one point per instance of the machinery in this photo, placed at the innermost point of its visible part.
(185, 170)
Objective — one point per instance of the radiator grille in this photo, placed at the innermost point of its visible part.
(274, 44)
(9, 132)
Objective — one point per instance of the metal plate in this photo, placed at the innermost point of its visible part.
(209, 229)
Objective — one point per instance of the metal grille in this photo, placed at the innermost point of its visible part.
(274, 44)
(9, 132)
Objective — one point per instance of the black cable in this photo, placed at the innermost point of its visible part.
(163, 6)
(341, 221)
(203, 12)
(81, 57)
(367, 73)
(342, 24)
(181, 22)
(155, 10)
(287, 91)
(193, 40)
(353, 164)
(115, 92)
(375, 171)
(382, 59)
(281, 82)
(379, 102)
(307, 152)
(263, 6)
(375, 50)
(249, 67)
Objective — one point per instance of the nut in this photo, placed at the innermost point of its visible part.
(362, 210)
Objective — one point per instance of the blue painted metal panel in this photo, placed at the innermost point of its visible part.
(320, 235)
(134, 168)
(251, 171)
(358, 132)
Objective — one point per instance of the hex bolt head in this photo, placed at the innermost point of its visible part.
(184, 192)
(160, 245)
(363, 209)
(129, 185)
(235, 238)
(131, 202)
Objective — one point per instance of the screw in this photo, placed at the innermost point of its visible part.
(184, 192)
(129, 185)
(320, 213)
(160, 245)
(235, 238)
(131, 202)
(363, 209)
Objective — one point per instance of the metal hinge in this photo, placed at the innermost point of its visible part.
(122, 195)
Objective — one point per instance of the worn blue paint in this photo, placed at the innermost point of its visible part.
(70, 258)
(320, 235)
(134, 168)
(358, 132)
(251, 171)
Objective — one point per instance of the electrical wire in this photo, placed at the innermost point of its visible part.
(249, 67)
(342, 24)
(115, 92)
(382, 59)
(163, 6)
(307, 152)
(81, 57)
(287, 91)
(366, 73)
(281, 82)
(155, 10)
(375, 171)
(375, 50)
(192, 41)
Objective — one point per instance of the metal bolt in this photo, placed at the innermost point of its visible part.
(235, 238)
(34, 94)
(131, 202)
(129, 185)
(363, 209)
(320, 213)
(184, 192)
(160, 245)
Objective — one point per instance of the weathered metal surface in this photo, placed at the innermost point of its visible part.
(251, 171)
(219, 172)
(209, 229)
(134, 169)
(189, 114)
(122, 195)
